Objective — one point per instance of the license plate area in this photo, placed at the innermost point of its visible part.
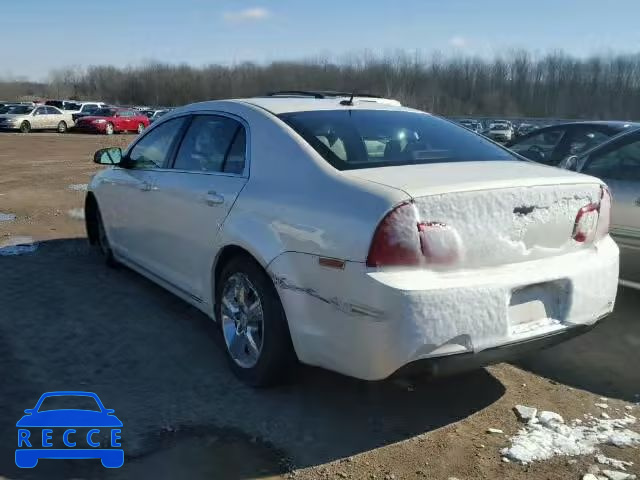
(539, 305)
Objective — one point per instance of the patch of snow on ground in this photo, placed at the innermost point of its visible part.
(17, 246)
(7, 217)
(617, 464)
(549, 436)
(76, 213)
(79, 187)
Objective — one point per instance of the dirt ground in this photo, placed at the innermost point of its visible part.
(69, 323)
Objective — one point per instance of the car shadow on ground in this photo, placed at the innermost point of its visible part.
(67, 322)
(604, 361)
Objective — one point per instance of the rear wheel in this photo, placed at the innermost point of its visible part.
(140, 127)
(62, 127)
(25, 127)
(253, 323)
(109, 130)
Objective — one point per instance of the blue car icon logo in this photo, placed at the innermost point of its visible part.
(90, 432)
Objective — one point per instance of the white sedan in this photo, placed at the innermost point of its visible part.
(359, 236)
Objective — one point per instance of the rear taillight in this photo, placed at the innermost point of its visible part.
(592, 221)
(401, 239)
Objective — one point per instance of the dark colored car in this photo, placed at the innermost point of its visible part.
(112, 120)
(550, 145)
(617, 163)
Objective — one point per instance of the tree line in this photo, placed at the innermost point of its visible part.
(515, 84)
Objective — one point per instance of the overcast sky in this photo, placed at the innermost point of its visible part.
(39, 35)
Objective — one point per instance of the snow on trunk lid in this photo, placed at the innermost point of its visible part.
(511, 225)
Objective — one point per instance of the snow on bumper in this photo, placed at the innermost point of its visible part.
(368, 324)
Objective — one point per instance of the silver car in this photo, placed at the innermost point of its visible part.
(27, 118)
(617, 162)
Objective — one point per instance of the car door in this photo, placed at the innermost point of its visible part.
(39, 118)
(54, 116)
(618, 164)
(194, 198)
(127, 203)
(544, 146)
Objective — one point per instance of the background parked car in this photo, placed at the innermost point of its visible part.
(83, 109)
(113, 120)
(524, 129)
(617, 162)
(550, 145)
(473, 125)
(27, 118)
(500, 131)
(156, 114)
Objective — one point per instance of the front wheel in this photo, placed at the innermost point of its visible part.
(25, 127)
(253, 323)
(62, 127)
(103, 241)
(109, 130)
(140, 128)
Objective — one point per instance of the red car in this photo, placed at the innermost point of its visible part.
(111, 120)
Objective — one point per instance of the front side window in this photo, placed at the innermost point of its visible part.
(622, 162)
(212, 144)
(153, 150)
(350, 139)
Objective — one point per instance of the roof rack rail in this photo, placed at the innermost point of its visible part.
(319, 94)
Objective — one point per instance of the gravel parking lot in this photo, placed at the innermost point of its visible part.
(69, 323)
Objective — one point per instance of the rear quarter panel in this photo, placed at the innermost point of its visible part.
(295, 201)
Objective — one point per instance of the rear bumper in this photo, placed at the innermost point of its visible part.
(369, 324)
(457, 363)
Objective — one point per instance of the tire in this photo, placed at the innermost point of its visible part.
(109, 129)
(103, 242)
(140, 128)
(25, 127)
(274, 360)
(62, 127)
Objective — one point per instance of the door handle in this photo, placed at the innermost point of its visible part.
(213, 198)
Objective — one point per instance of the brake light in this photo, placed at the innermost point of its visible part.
(402, 240)
(592, 221)
(395, 242)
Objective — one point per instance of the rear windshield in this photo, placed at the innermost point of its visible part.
(351, 139)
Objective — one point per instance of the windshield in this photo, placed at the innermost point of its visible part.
(19, 110)
(350, 139)
(54, 103)
(71, 106)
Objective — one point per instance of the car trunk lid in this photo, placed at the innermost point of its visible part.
(491, 212)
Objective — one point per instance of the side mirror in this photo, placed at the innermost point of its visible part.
(109, 411)
(569, 163)
(108, 156)
(29, 411)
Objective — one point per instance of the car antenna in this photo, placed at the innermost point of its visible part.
(348, 103)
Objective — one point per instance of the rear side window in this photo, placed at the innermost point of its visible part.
(212, 144)
(350, 139)
(153, 150)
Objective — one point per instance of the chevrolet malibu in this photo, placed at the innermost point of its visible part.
(355, 235)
